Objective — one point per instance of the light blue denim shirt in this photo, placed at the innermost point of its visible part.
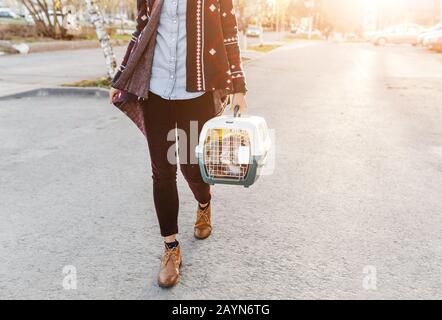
(168, 78)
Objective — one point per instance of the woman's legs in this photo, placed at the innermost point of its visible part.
(160, 120)
(191, 116)
(162, 117)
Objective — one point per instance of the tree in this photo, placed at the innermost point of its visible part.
(344, 15)
(297, 9)
(48, 16)
(103, 37)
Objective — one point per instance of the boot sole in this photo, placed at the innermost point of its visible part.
(201, 238)
(168, 286)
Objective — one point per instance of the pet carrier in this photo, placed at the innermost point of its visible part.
(233, 149)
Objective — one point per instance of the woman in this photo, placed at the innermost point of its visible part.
(180, 67)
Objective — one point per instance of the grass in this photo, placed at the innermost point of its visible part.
(304, 37)
(124, 37)
(97, 83)
(264, 48)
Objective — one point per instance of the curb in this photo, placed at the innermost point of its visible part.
(59, 91)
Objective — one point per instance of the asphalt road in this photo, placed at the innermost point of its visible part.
(357, 188)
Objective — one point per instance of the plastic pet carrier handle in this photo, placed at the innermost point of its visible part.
(236, 112)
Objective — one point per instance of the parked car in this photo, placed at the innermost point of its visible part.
(423, 39)
(254, 31)
(433, 41)
(399, 34)
(6, 13)
(7, 16)
(437, 45)
(434, 30)
(427, 40)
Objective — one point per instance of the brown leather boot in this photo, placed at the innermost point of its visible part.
(203, 224)
(169, 274)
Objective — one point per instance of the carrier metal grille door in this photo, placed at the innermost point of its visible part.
(227, 154)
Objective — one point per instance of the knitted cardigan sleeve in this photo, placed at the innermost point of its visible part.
(231, 42)
(142, 19)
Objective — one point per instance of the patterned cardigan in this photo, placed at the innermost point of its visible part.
(213, 54)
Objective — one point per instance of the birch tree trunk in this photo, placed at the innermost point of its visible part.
(103, 37)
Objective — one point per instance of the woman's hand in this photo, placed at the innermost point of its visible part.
(112, 93)
(239, 99)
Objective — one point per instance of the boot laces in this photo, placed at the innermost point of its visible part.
(202, 216)
(170, 254)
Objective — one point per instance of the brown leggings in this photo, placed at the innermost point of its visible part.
(162, 117)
